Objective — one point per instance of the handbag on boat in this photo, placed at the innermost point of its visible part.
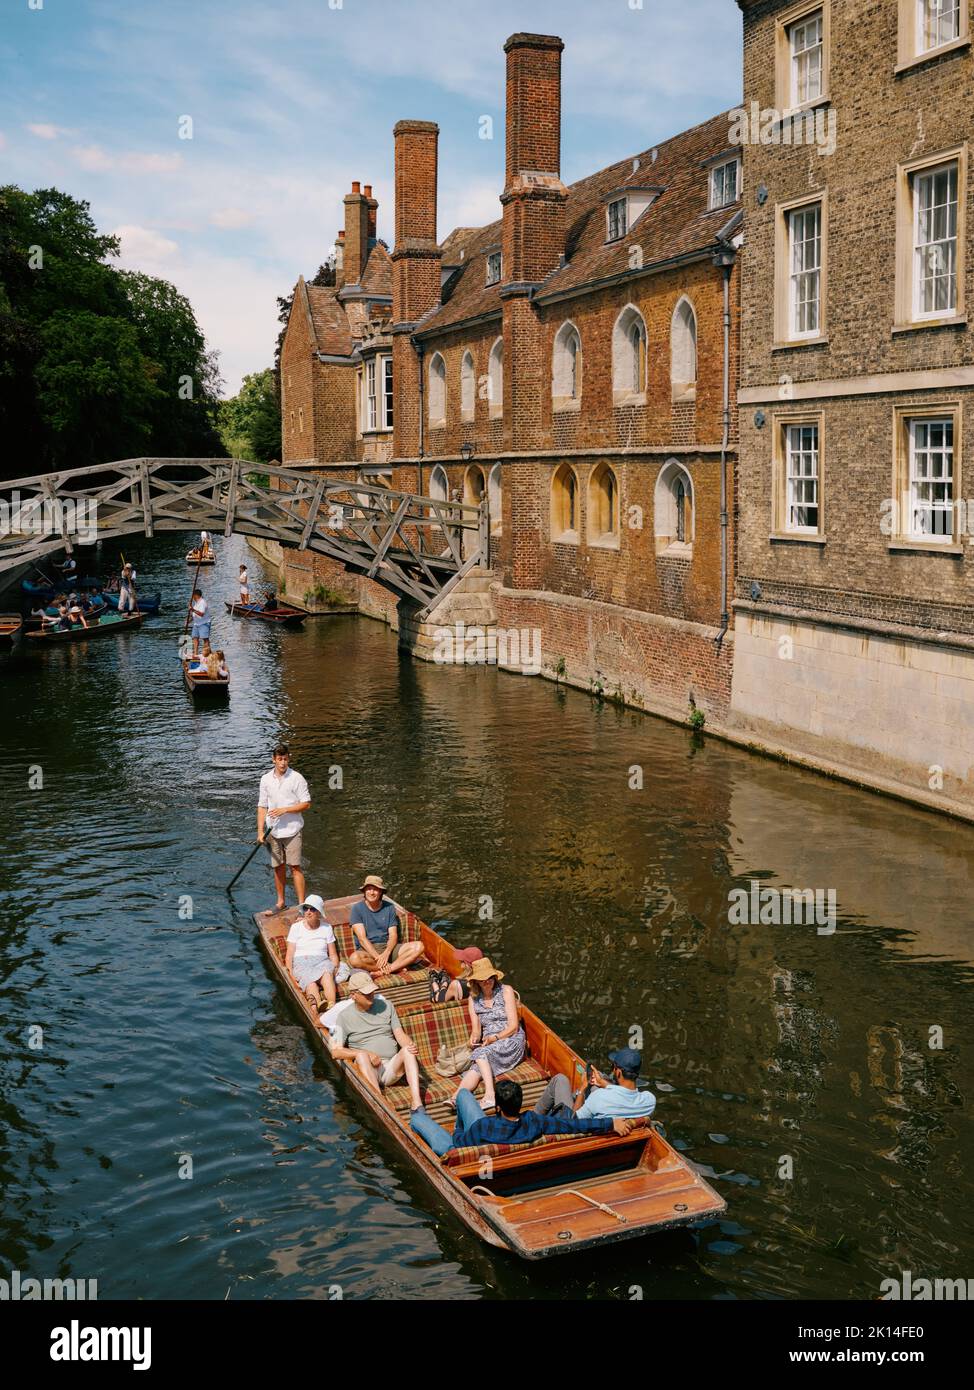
(451, 1061)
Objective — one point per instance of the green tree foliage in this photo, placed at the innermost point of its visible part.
(95, 363)
(250, 422)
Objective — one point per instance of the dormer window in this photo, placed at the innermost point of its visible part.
(617, 219)
(724, 183)
(494, 268)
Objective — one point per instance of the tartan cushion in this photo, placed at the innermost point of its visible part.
(454, 1157)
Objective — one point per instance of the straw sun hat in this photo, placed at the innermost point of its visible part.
(483, 969)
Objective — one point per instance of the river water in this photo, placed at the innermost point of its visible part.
(821, 1079)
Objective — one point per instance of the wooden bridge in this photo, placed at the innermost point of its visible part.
(418, 547)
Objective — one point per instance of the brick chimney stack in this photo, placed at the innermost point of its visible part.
(373, 211)
(340, 259)
(415, 272)
(532, 238)
(534, 196)
(356, 234)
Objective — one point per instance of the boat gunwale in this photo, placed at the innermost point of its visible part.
(475, 1209)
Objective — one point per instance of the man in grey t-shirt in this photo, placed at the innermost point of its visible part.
(370, 1035)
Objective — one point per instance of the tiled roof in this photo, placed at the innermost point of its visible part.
(676, 223)
(377, 275)
(329, 323)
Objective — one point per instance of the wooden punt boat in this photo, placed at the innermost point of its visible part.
(194, 558)
(562, 1193)
(10, 625)
(283, 614)
(144, 603)
(205, 686)
(104, 627)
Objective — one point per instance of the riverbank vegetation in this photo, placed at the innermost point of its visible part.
(96, 363)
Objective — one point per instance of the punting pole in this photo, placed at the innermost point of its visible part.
(250, 856)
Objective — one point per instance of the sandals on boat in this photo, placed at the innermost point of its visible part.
(485, 1107)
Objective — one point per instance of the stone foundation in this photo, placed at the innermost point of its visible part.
(892, 709)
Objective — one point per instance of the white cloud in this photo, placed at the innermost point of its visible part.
(142, 248)
(97, 160)
(231, 217)
(45, 131)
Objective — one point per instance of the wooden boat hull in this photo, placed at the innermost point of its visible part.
(562, 1194)
(193, 559)
(11, 624)
(284, 615)
(202, 687)
(105, 627)
(145, 603)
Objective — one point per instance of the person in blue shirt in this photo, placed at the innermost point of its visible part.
(375, 926)
(620, 1096)
(509, 1126)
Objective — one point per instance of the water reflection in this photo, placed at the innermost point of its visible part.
(796, 1068)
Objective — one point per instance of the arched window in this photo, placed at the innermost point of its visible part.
(467, 387)
(494, 503)
(566, 367)
(474, 486)
(564, 505)
(495, 380)
(628, 355)
(439, 486)
(683, 351)
(673, 510)
(437, 390)
(603, 506)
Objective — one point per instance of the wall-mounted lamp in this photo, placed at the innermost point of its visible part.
(466, 452)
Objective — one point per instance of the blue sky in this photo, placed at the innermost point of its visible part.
(292, 100)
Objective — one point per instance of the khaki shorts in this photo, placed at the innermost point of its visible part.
(286, 851)
(396, 951)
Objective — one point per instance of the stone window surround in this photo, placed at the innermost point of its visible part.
(905, 259)
(436, 401)
(907, 54)
(784, 22)
(561, 534)
(495, 380)
(601, 539)
(902, 416)
(664, 510)
(468, 387)
(780, 421)
(681, 390)
(622, 363)
(782, 271)
(561, 369)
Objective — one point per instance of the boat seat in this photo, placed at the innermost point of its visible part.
(433, 1026)
(476, 1153)
(405, 986)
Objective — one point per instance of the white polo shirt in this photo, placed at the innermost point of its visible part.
(289, 790)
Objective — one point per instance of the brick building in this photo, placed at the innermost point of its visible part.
(855, 623)
(575, 363)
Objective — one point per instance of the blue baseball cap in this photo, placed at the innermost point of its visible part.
(627, 1058)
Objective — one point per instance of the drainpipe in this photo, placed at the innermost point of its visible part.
(724, 260)
(422, 412)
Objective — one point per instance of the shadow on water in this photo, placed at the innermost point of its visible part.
(172, 1133)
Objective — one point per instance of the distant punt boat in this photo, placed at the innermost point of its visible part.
(561, 1193)
(66, 585)
(194, 558)
(199, 684)
(102, 627)
(283, 614)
